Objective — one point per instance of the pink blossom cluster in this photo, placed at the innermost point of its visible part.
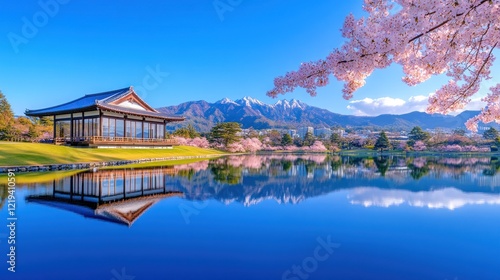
(458, 148)
(419, 146)
(419, 162)
(200, 142)
(318, 159)
(334, 148)
(195, 166)
(464, 161)
(317, 146)
(291, 148)
(426, 37)
(250, 145)
(249, 161)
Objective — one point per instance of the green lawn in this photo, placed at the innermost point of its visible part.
(14, 153)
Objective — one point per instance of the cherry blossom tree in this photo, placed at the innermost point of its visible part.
(200, 142)
(419, 146)
(251, 145)
(426, 37)
(317, 146)
(403, 145)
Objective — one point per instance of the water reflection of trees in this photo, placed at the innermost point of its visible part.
(418, 168)
(494, 167)
(382, 163)
(229, 169)
(335, 170)
(291, 178)
(224, 171)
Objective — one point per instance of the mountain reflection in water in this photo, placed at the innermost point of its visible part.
(121, 196)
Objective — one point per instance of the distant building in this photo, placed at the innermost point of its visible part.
(323, 132)
(340, 132)
(304, 130)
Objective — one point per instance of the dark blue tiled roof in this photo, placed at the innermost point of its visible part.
(87, 101)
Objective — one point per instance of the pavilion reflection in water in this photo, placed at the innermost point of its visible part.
(117, 196)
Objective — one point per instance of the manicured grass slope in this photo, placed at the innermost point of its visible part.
(13, 153)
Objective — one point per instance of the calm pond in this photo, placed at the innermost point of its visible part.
(263, 217)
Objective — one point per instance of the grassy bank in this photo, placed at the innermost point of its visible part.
(13, 153)
(154, 164)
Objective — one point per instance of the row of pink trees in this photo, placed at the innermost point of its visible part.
(252, 145)
(248, 145)
(420, 146)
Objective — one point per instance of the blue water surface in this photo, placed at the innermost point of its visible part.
(264, 217)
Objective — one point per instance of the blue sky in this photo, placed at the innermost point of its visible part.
(79, 47)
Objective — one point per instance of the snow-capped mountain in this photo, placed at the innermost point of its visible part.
(251, 112)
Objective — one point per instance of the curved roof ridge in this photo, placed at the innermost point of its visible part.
(117, 94)
(107, 92)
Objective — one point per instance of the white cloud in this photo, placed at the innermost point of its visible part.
(448, 198)
(474, 105)
(397, 106)
(387, 105)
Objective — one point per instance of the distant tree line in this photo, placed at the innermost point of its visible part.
(22, 128)
(228, 136)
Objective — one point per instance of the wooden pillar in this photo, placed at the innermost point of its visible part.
(100, 187)
(82, 177)
(100, 123)
(164, 129)
(71, 128)
(142, 182)
(83, 126)
(55, 130)
(124, 125)
(71, 186)
(165, 182)
(142, 136)
(124, 184)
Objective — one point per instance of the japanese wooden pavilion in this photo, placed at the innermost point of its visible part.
(109, 119)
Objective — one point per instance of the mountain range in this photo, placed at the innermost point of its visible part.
(253, 113)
